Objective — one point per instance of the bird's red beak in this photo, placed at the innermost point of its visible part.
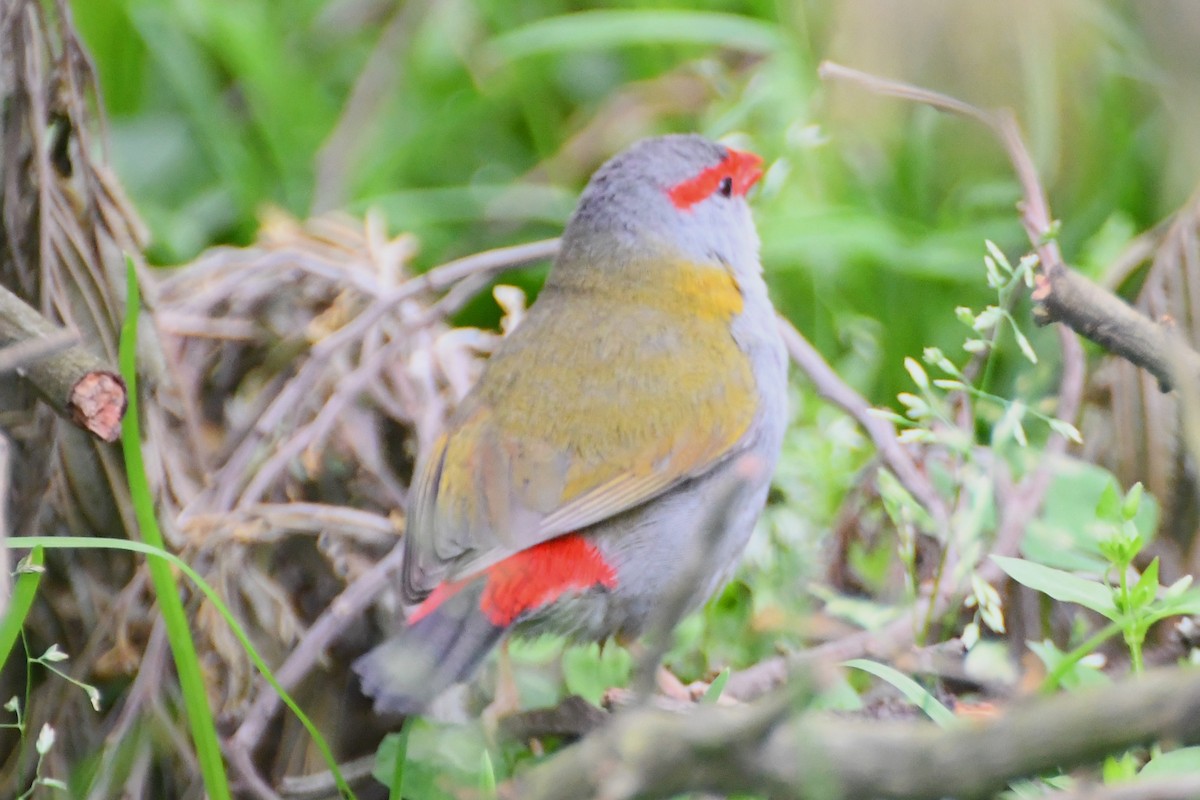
(746, 168)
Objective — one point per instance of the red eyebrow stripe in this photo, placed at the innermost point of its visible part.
(743, 168)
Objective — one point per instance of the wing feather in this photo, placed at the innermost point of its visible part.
(525, 459)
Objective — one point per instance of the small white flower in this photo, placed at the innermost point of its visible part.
(45, 739)
(54, 653)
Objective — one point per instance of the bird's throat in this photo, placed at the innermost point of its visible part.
(703, 291)
(709, 292)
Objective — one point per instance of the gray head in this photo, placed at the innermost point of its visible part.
(683, 195)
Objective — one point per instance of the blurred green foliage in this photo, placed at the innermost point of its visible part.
(473, 123)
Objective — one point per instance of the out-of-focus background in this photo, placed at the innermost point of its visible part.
(254, 137)
(474, 124)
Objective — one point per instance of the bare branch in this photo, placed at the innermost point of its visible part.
(1062, 294)
(75, 383)
(324, 630)
(764, 748)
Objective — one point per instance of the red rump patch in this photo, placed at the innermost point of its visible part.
(742, 168)
(531, 578)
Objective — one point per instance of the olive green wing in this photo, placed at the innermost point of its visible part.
(557, 437)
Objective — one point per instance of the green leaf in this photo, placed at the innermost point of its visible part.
(1081, 673)
(1059, 585)
(713, 693)
(181, 63)
(21, 601)
(1122, 547)
(1065, 429)
(986, 320)
(395, 746)
(913, 691)
(1023, 343)
(438, 760)
(1109, 507)
(1174, 605)
(1143, 592)
(589, 671)
(1067, 534)
(1132, 501)
(1118, 770)
(487, 777)
(998, 255)
(917, 372)
(1184, 761)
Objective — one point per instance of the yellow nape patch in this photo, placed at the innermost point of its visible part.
(709, 292)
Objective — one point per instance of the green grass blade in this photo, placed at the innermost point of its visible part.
(100, 543)
(487, 778)
(401, 757)
(179, 636)
(713, 693)
(1060, 585)
(590, 30)
(22, 601)
(912, 691)
(218, 132)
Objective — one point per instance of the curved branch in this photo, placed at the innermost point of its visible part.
(1062, 294)
(881, 432)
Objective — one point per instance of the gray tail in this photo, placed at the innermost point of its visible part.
(444, 647)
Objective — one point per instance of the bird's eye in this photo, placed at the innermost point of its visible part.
(725, 187)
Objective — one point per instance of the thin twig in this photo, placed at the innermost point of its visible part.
(227, 488)
(321, 785)
(881, 432)
(242, 762)
(22, 354)
(353, 600)
(1023, 502)
(133, 706)
(1061, 293)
